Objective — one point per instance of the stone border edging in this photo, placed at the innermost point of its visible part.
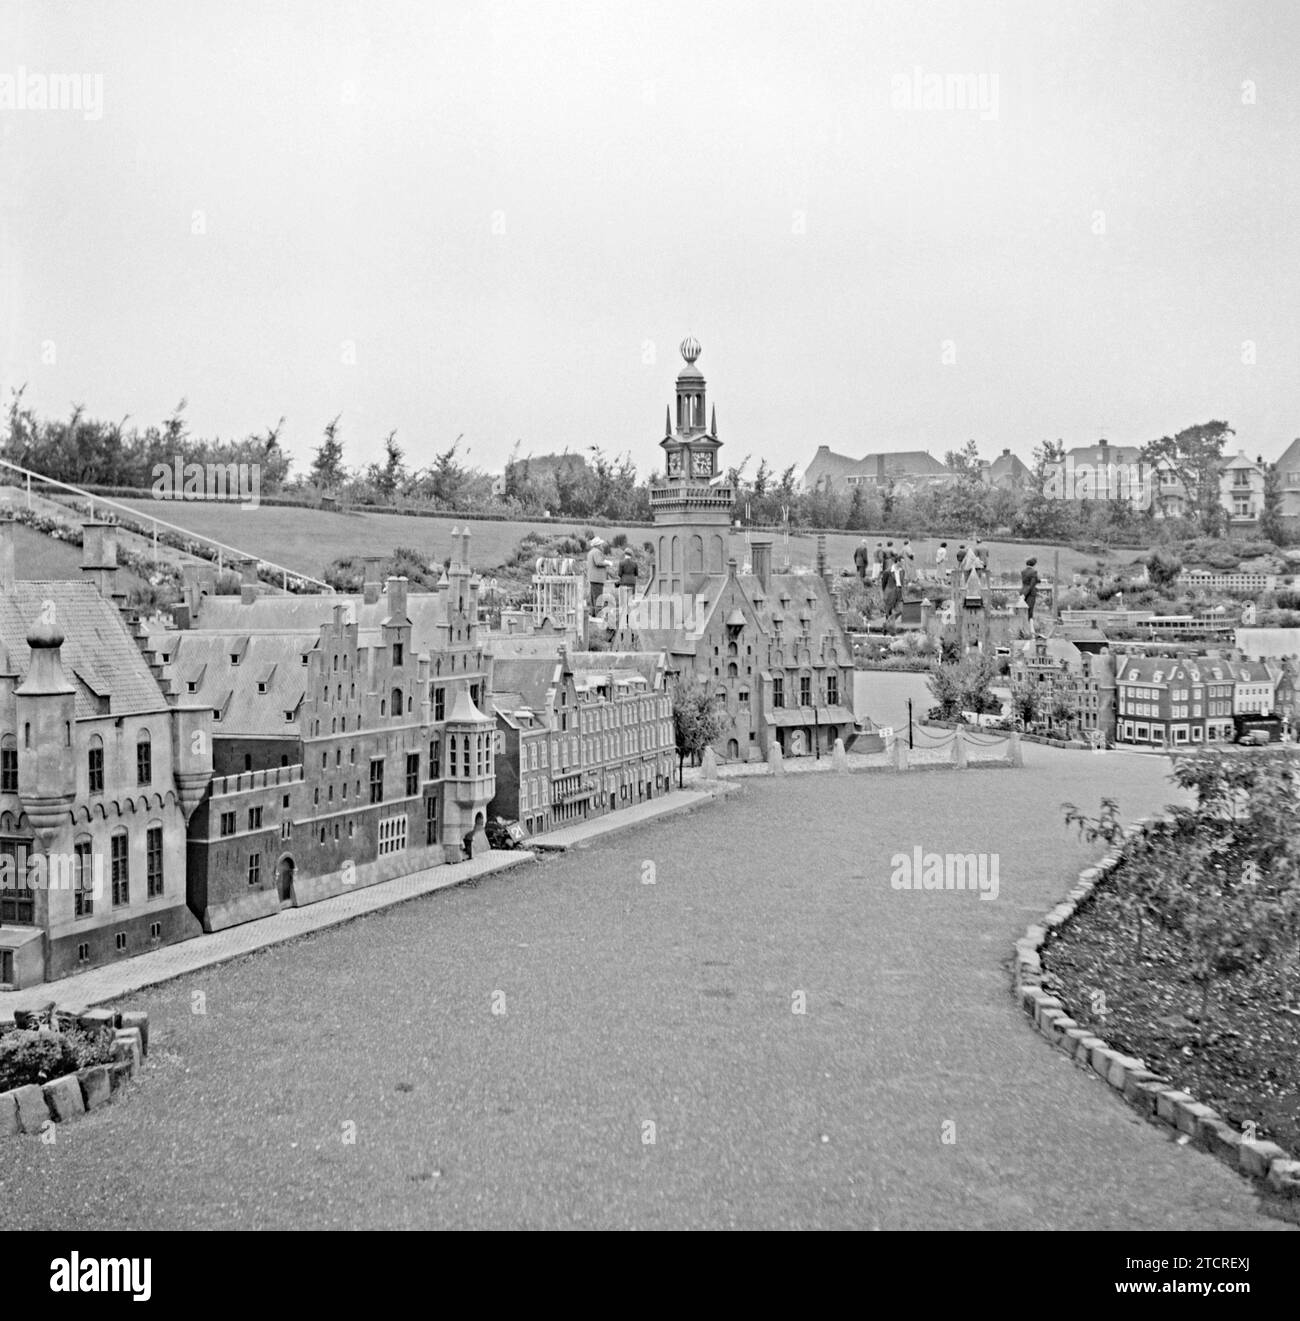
(29, 1109)
(1153, 1096)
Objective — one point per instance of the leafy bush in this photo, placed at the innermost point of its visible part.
(35, 1056)
(1163, 567)
(964, 686)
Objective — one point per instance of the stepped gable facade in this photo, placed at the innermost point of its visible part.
(343, 755)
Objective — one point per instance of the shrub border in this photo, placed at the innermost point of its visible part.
(1151, 1095)
(32, 1108)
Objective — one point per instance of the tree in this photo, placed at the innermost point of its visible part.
(888, 499)
(1270, 517)
(446, 476)
(856, 519)
(1195, 457)
(965, 462)
(327, 465)
(1163, 568)
(762, 479)
(1060, 707)
(964, 685)
(1045, 513)
(391, 475)
(1026, 701)
(698, 720)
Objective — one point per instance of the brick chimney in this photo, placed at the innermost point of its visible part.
(395, 592)
(6, 554)
(99, 557)
(761, 558)
(370, 586)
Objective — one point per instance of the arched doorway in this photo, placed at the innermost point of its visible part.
(733, 750)
(798, 743)
(284, 880)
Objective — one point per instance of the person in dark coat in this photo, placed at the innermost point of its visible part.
(627, 570)
(862, 559)
(893, 588)
(1029, 585)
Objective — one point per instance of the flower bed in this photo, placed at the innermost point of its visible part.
(1245, 1148)
(1189, 956)
(54, 1067)
(1244, 1061)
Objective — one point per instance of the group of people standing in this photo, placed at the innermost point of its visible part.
(602, 572)
(604, 579)
(886, 567)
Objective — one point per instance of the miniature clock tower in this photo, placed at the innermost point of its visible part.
(691, 508)
(691, 448)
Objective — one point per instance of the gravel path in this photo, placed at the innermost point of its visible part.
(627, 1003)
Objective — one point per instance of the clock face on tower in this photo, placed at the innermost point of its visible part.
(675, 463)
(702, 464)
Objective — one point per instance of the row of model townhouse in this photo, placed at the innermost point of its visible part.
(269, 750)
(1101, 471)
(1149, 700)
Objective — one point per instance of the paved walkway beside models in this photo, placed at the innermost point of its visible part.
(679, 800)
(117, 979)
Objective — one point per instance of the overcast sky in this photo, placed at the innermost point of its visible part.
(501, 219)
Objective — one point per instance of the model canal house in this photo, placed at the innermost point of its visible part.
(580, 735)
(99, 771)
(342, 756)
(770, 642)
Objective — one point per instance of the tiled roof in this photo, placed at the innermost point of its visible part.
(531, 677)
(516, 646)
(272, 659)
(646, 664)
(99, 655)
(1199, 669)
(909, 463)
(306, 612)
(1108, 454)
(1008, 466)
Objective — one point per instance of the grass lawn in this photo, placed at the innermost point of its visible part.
(306, 540)
(37, 556)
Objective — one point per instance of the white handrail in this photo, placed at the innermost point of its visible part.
(29, 473)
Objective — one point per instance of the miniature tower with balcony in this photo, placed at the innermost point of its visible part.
(692, 512)
(470, 780)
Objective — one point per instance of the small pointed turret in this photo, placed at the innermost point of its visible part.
(668, 419)
(713, 422)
